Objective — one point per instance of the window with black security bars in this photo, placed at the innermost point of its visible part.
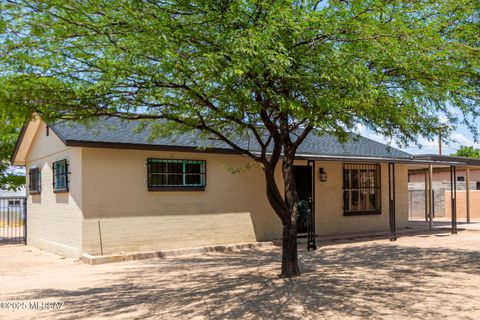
(361, 189)
(60, 176)
(172, 174)
(34, 181)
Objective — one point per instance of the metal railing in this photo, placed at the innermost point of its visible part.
(13, 220)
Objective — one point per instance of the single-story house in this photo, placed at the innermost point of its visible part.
(107, 188)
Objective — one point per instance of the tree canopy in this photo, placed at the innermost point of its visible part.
(11, 122)
(271, 70)
(467, 151)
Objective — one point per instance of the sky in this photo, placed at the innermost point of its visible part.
(461, 136)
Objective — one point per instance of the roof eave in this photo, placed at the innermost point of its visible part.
(133, 146)
(18, 143)
(464, 161)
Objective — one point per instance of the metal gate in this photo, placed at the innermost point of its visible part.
(13, 220)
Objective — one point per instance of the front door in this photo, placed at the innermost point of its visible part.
(303, 181)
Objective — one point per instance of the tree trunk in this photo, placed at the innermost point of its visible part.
(286, 209)
(289, 252)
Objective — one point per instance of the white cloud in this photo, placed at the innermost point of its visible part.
(461, 139)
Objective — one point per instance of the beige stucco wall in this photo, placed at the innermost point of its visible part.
(329, 219)
(55, 219)
(232, 209)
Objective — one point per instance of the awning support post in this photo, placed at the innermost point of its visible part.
(430, 197)
(426, 195)
(453, 196)
(391, 200)
(467, 178)
(311, 244)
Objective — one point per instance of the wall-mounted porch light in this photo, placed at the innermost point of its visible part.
(323, 175)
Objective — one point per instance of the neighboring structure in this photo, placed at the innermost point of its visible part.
(467, 185)
(442, 175)
(21, 192)
(105, 189)
(12, 199)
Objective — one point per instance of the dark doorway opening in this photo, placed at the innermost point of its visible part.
(303, 181)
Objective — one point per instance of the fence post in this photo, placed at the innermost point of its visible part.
(25, 221)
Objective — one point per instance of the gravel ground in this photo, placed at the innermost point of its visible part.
(430, 276)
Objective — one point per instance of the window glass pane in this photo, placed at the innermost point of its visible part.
(175, 167)
(193, 179)
(34, 180)
(176, 173)
(346, 178)
(61, 181)
(60, 174)
(363, 179)
(355, 199)
(354, 178)
(175, 179)
(346, 200)
(372, 179)
(363, 203)
(193, 167)
(372, 201)
(161, 167)
(161, 179)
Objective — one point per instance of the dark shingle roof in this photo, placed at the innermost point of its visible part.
(116, 131)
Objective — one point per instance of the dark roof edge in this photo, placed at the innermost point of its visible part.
(18, 142)
(134, 146)
(399, 160)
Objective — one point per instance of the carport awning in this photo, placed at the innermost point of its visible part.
(458, 161)
(411, 161)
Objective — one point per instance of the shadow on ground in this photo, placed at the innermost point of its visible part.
(366, 281)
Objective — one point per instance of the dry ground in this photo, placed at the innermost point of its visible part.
(433, 276)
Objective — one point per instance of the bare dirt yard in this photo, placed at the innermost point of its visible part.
(431, 276)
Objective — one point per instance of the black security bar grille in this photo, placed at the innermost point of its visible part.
(361, 189)
(173, 174)
(60, 175)
(34, 181)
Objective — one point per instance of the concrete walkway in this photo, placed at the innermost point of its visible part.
(425, 276)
